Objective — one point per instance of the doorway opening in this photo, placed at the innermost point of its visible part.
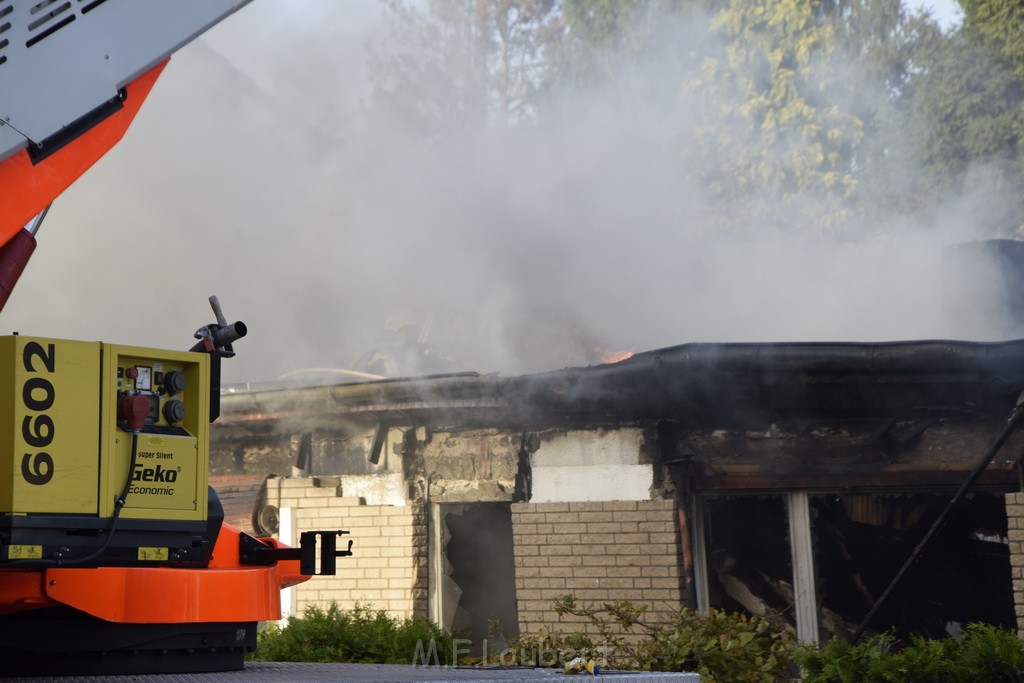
(473, 588)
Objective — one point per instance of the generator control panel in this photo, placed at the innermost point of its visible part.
(163, 398)
(69, 454)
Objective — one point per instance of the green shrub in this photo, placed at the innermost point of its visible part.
(357, 635)
(837, 661)
(721, 647)
(727, 648)
(934, 661)
(983, 653)
(993, 654)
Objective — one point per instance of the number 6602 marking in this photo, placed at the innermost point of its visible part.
(37, 394)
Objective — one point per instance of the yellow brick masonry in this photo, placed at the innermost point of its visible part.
(389, 567)
(1015, 525)
(598, 551)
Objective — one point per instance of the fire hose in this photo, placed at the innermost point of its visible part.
(1011, 424)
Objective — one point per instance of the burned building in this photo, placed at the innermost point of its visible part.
(787, 480)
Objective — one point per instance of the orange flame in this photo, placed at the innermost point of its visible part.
(615, 356)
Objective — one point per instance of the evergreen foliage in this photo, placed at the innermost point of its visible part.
(983, 653)
(722, 647)
(358, 635)
(814, 116)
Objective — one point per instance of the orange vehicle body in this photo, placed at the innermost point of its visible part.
(225, 591)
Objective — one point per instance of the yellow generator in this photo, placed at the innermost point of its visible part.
(107, 454)
(114, 557)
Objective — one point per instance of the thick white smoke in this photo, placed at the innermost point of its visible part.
(258, 172)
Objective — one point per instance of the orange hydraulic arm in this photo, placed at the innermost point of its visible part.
(29, 187)
(73, 75)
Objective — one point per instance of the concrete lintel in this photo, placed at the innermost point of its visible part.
(590, 447)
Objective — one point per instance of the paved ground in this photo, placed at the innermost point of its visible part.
(277, 672)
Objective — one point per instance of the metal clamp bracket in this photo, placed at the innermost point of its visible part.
(253, 551)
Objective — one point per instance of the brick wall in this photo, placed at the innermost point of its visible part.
(1015, 526)
(598, 551)
(389, 568)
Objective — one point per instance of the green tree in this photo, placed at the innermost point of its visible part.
(968, 115)
(459, 64)
(596, 37)
(788, 111)
(820, 96)
(888, 52)
(998, 24)
(776, 141)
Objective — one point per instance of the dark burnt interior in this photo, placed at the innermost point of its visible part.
(860, 542)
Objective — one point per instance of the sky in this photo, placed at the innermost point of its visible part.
(254, 173)
(946, 12)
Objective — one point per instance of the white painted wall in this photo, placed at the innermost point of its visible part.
(287, 535)
(599, 465)
(376, 489)
(590, 447)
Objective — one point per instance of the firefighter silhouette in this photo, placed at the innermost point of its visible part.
(399, 352)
